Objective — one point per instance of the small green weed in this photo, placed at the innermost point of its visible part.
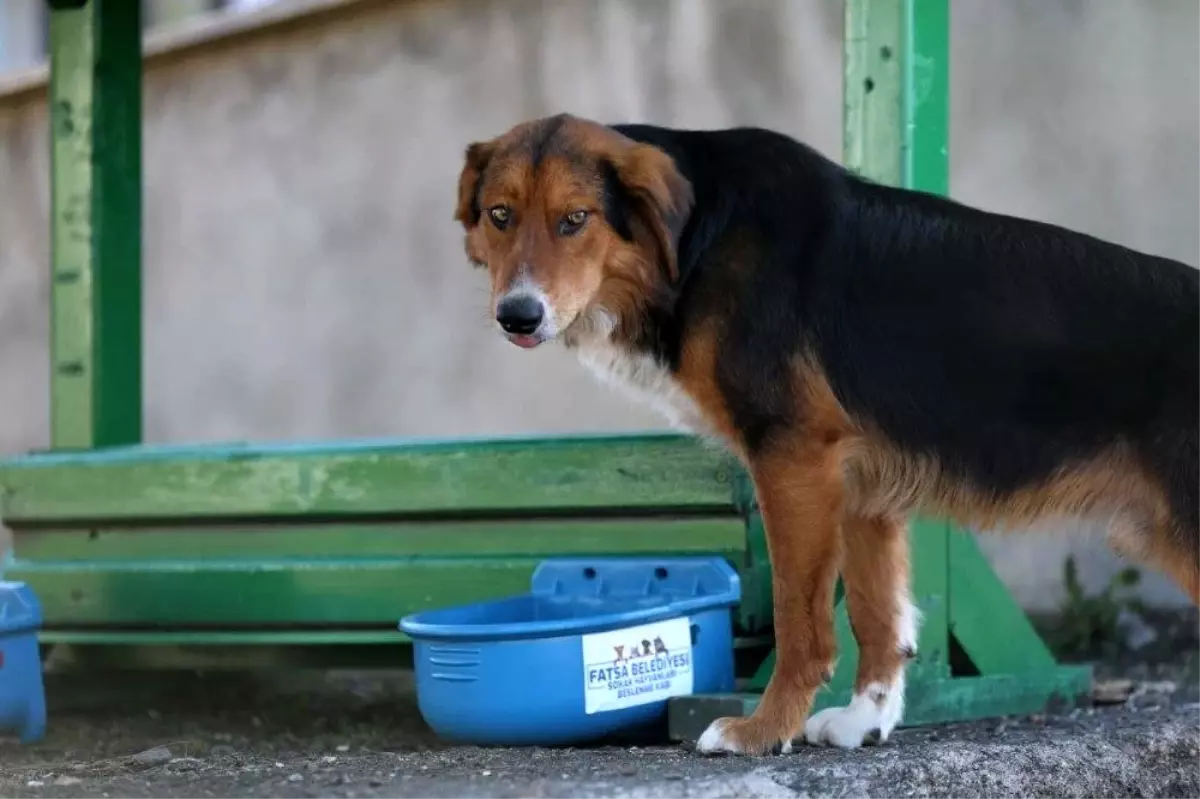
(1088, 624)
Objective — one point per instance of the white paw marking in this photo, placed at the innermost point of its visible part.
(716, 740)
(872, 714)
(713, 739)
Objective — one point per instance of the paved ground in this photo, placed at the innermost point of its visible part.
(349, 735)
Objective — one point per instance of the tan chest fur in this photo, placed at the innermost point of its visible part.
(643, 379)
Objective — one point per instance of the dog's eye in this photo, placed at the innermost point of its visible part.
(500, 216)
(572, 222)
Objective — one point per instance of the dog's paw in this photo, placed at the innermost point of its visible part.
(741, 737)
(868, 719)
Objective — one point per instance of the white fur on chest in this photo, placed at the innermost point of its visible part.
(643, 379)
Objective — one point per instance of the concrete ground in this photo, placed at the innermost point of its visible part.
(351, 735)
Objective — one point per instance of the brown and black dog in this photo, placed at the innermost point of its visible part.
(866, 351)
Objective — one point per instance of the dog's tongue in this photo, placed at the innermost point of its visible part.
(525, 342)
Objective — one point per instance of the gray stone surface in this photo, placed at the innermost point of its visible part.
(353, 735)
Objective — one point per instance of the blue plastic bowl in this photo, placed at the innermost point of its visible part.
(22, 694)
(597, 647)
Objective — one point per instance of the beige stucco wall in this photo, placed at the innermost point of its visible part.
(304, 279)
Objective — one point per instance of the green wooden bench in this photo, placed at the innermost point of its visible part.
(314, 552)
(335, 542)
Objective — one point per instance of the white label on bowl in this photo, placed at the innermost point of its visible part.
(637, 665)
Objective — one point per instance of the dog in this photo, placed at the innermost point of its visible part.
(867, 352)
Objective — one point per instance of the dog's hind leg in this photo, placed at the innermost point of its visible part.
(875, 571)
(1166, 534)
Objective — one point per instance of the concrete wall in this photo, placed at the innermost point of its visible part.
(21, 34)
(303, 276)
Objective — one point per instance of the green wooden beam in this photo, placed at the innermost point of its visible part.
(116, 652)
(314, 594)
(95, 125)
(341, 575)
(602, 473)
(103, 637)
(286, 545)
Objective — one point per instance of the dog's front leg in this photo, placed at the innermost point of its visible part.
(800, 497)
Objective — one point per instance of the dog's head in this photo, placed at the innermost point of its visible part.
(576, 224)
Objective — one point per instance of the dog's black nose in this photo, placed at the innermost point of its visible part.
(521, 314)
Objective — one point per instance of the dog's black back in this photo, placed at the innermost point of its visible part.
(1004, 348)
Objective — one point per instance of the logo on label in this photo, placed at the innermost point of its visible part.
(637, 665)
(641, 649)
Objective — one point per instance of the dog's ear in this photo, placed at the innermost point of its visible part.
(659, 195)
(467, 211)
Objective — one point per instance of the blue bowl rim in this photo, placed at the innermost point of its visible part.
(419, 627)
(419, 630)
(30, 616)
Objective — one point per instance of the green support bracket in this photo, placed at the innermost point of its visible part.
(95, 130)
(896, 131)
(755, 610)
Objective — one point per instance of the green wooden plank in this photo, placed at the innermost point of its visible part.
(356, 447)
(617, 473)
(119, 656)
(359, 542)
(115, 636)
(993, 695)
(323, 592)
(986, 621)
(95, 122)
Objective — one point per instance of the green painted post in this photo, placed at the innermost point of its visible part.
(896, 96)
(925, 165)
(95, 130)
(925, 101)
(872, 89)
